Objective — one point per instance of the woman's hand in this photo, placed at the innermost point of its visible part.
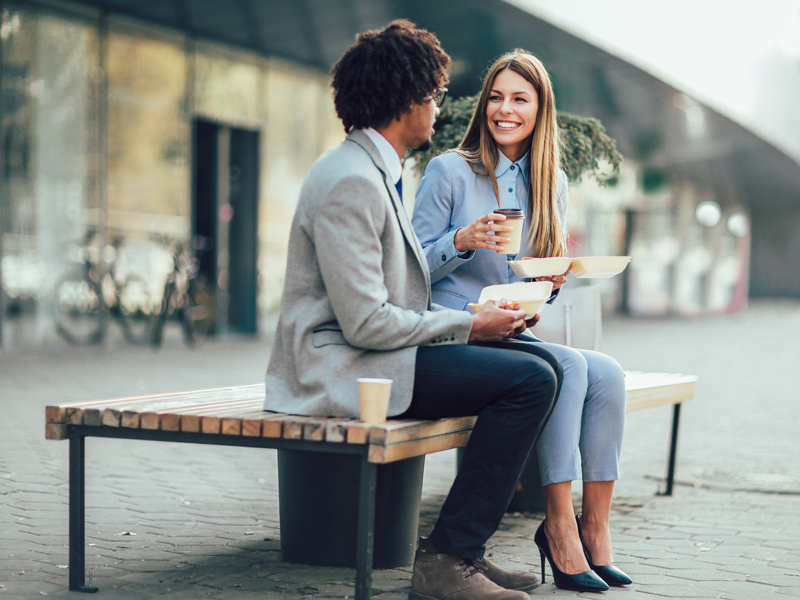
(532, 321)
(475, 236)
(558, 280)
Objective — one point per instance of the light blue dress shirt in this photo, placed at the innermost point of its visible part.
(451, 196)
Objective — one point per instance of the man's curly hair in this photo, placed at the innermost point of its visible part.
(384, 72)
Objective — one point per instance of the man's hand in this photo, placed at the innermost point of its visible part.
(475, 235)
(495, 324)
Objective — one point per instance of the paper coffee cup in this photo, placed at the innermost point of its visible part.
(373, 399)
(514, 218)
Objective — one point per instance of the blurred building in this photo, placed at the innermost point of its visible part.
(164, 120)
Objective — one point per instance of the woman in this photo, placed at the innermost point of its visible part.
(509, 158)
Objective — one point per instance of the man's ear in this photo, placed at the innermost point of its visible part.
(406, 111)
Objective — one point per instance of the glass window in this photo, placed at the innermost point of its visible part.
(97, 156)
(226, 87)
(49, 177)
(148, 138)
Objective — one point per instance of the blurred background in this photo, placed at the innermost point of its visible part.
(135, 132)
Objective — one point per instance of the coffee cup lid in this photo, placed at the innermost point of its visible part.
(509, 212)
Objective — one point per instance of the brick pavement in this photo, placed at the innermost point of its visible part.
(180, 521)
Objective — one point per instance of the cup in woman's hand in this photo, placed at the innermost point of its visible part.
(514, 218)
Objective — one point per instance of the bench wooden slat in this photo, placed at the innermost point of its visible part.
(272, 427)
(92, 416)
(293, 427)
(336, 431)
(235, 424)
(228, 420)
(395, 432)
(674, 395)
(55, 431)
(218, 420)
(357, 433)
(643, 390)
(252, 425)
(112, 417)
(190, 423)
(316, 429)
(129, 418)
(170, 422)
(387, 454)
(74, 415)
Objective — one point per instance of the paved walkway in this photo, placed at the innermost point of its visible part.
(192, 522)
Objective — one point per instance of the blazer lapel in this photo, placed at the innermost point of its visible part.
(362, 140)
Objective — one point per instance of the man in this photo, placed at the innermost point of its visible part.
(356, 303)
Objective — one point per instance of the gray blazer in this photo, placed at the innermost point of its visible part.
(357, 299)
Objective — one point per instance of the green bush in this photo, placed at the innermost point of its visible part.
(584, 141)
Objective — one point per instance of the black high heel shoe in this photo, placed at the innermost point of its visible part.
(587, 581)
(609, 573)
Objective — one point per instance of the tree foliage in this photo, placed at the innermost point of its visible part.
(584, 142)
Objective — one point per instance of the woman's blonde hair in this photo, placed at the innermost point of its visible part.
(478, 148)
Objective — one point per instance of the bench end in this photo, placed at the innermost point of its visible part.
(55, 431)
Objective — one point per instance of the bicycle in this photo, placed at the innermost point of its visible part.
(98, 288)
(188, 298)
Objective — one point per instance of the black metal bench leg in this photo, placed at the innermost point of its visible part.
(366, 528)
(77, 515)
(667, 484)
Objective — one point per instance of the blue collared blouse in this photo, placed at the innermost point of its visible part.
(451, 196)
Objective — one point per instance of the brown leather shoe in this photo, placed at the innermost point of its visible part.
(446, 577)
(511, 580)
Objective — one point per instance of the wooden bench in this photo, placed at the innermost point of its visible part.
(233, 416)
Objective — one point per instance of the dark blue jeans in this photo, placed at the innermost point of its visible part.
(512, 388)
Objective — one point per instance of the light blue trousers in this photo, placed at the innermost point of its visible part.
(583, 438)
